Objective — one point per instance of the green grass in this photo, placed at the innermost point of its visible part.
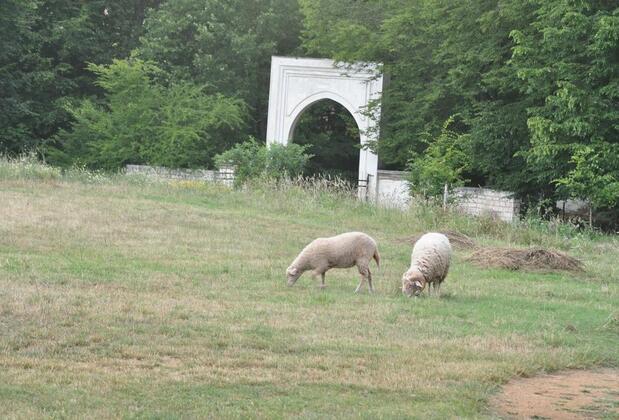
(121, 297)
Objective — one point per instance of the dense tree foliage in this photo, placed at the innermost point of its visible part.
(568, 60)
(27, 78)
(443, 58)
(519, 95)
(45, 46)
(142, 122)
(534, 85)
(226, 44)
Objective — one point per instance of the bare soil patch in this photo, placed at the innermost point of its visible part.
(565, 395)
(532, 259)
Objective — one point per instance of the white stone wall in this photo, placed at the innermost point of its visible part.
(487, 202)
(390, 187)
(392, 191)
(224, 175)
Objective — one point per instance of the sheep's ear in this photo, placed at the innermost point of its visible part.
(418, 283)
(294, 271)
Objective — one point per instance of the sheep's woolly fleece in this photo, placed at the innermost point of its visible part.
(457, 239)
(432, 256)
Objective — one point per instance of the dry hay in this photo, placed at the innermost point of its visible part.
(532, 259)
(457, 239)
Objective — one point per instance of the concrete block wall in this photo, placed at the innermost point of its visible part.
(392, 191)
(487, 202)
(225, 175)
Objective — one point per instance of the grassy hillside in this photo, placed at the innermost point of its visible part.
(128, 298)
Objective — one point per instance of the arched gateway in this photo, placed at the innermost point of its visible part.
(297, 83)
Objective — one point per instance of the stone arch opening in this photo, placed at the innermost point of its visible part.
(332, 135)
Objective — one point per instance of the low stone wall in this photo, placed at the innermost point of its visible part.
(390, 186)
(487, 202)
(224, 175)
(392, 191)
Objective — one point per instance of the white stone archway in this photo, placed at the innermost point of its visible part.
(297, 83)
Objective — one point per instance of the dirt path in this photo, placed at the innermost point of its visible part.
(565, 395)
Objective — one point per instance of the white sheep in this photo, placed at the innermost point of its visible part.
(429, 264)
(341, 251)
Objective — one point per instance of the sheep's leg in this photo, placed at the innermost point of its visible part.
(438, 289)
(362, 279)
(429, 286)
(360, 284)
(365, 275)
(321, 273)
(371, 288)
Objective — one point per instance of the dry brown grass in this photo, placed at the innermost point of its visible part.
(532, 259)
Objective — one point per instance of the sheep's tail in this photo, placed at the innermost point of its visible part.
(377, 257)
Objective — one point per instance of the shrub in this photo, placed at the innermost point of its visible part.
(444, 161)
(254, 160)
(290, 160)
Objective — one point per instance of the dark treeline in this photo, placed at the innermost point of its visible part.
(519, 95)
(106, 82)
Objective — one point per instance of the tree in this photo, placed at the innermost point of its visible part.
(143, 122)
(27, 111)
(534, 83)
(226, 45)
(444, 161)
(442, 58)
(331, 134)
(569, 64)
(45, 46)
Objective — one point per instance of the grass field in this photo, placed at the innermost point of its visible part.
(127, 298)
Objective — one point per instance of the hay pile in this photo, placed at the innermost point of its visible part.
(456, 239)
(533, 259)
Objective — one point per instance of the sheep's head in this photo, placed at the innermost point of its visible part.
(292, 274)
(413, 283)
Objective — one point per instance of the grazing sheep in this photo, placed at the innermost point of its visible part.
(341, 251)
(429, 264)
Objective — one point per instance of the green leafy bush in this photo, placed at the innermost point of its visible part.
(254, 160)
(290, 160)
(142, 122)
(444, 161)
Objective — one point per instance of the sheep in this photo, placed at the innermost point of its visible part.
(341, 251)
(429, 264)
